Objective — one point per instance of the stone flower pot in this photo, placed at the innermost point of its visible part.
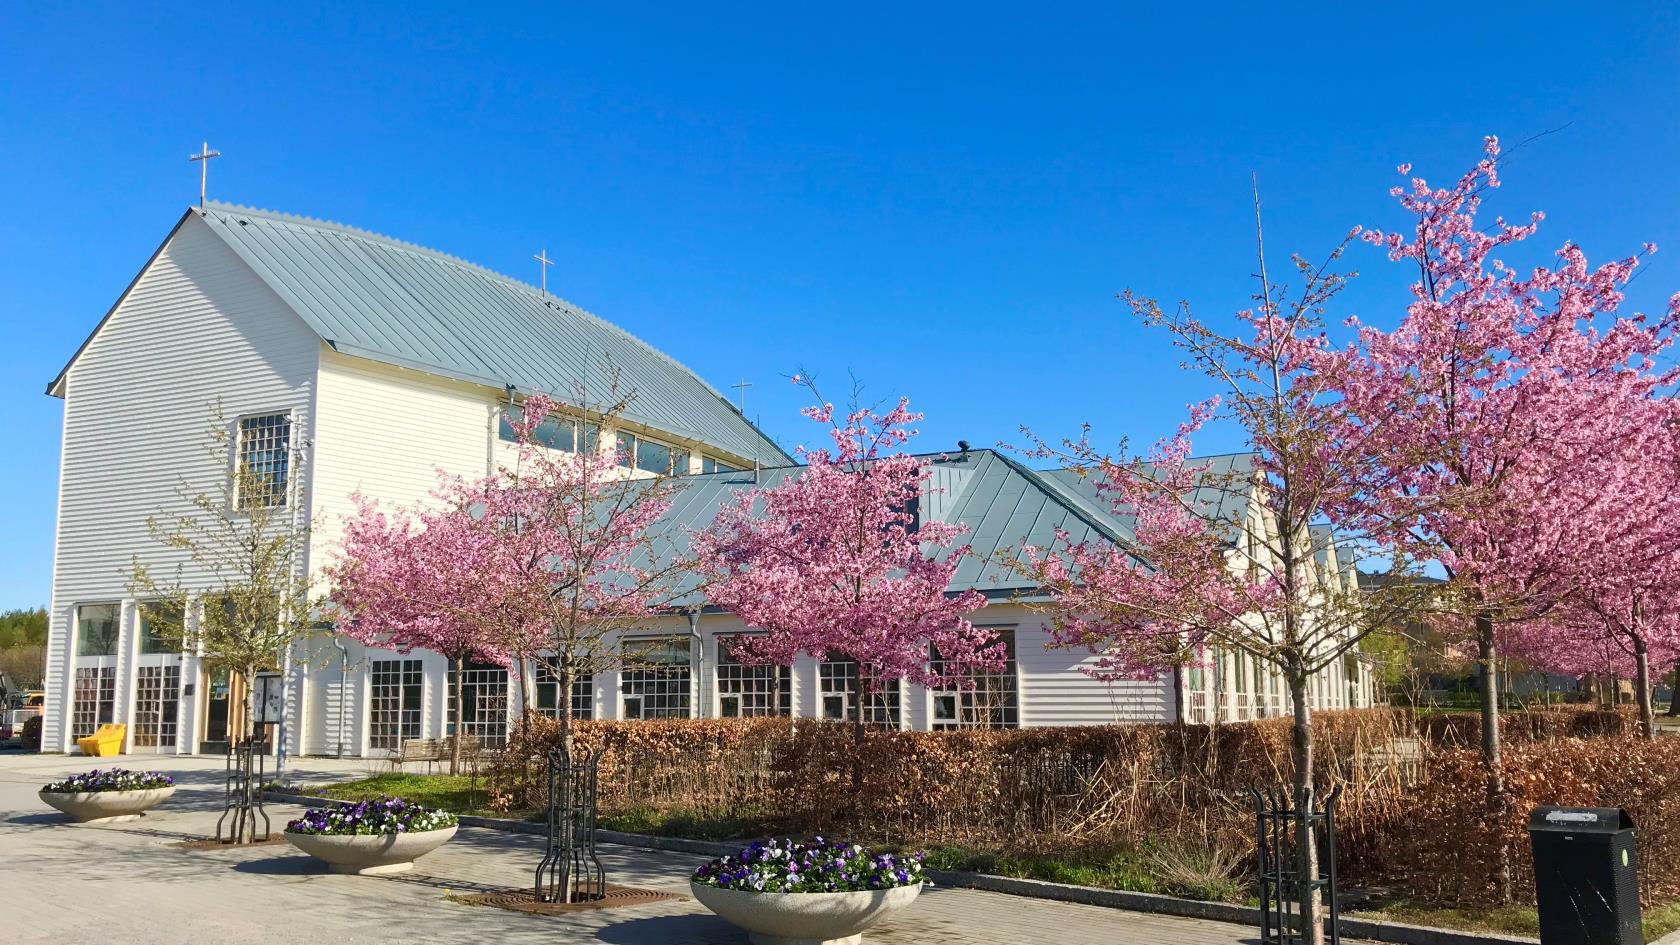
(837, 918)
(106, 807)
(370, 854)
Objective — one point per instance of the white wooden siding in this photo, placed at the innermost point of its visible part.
(198, 325)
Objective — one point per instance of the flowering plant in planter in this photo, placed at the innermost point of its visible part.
(387, 815)
(115, 779)
(820, 866)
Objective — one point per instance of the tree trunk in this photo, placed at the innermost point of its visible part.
(525, 703)
(859, 733)
(1306, 841)
(1674, 693)
(1178, 696)
(1496, 801)
(460, 715)
(1642, 689)
(563, 706)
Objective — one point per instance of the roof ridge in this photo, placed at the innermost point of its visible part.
(346, 229)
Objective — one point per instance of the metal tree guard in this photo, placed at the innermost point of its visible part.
(1280, 878)
(570, 871)
(243, 800)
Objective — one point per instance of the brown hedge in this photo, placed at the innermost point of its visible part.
(1412, 812)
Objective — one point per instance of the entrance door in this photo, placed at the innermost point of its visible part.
(218, 692)
(157, 708)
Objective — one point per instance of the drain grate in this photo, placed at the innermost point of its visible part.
(521, 900)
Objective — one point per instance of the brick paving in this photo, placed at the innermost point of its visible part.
(133, 883)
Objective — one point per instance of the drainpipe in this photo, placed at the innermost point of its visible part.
(343, 681)
(700, 644)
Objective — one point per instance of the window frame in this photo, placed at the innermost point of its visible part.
(963, 702)
(625, 682)
(779, 679)
(272, 499)
(116, 632)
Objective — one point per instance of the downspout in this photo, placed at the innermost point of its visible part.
(699, 646)
(343, 682)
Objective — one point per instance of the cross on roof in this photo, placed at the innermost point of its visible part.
(542, 257)
(742, 387)
(203, 158)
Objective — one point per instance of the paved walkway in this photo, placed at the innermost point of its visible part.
(124, 883)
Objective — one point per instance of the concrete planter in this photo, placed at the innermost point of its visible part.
(370, 854)
(837, 918)
(106, 807)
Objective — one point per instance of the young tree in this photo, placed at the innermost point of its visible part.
(236, 591)
(1481, 406)
(1194, 576)
(838, 561)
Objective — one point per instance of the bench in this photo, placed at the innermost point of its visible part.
(418, 749)
(106, 741)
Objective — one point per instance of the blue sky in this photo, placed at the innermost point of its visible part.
(942, 201)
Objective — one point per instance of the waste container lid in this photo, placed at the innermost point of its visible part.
(1580, 819)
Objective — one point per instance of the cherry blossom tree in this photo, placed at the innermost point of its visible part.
(422, 578)
(576, 538)
(1194, 575)
(837, 561)
(546, 560)
(1495, 389)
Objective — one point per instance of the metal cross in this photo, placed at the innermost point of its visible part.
(203, 158)
(742, 387)
(542, 257)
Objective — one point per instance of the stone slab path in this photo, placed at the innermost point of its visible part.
(127, 883)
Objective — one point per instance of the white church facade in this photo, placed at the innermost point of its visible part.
(379, 364)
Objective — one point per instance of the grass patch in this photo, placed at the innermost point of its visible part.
(454, 793)
(648, 820)
(1510, 920)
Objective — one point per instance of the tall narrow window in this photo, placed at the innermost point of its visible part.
(96, 629)
(157, 702)
(845, 692)
(485, 697)
(990, 703)
(656, 679)
(748, 691)
(264, 456)
(395, 702)
(95, 699)
(548, 694)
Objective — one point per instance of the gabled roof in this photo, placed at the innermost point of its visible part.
(1003, 504)
(374, 297)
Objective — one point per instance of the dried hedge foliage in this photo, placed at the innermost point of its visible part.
(1412, 811)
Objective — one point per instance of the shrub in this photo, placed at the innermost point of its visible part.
(384, 816)
(818, 866)
(114, 779)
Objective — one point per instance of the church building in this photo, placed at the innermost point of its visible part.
(380, 363)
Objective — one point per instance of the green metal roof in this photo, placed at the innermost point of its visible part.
(386, 300)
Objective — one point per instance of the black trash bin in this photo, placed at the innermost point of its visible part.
(1586, 876)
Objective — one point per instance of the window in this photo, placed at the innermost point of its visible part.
(485, 701)
(749, 691)
(656, 679)
(990, 703)
(264, 456)
(395, 702)
(838, 679)
(157, 702)
(555, 433)
(160, 628)
(96, 629)
(95, 699)
(635, 452)
(711, 465)
(548, 694)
